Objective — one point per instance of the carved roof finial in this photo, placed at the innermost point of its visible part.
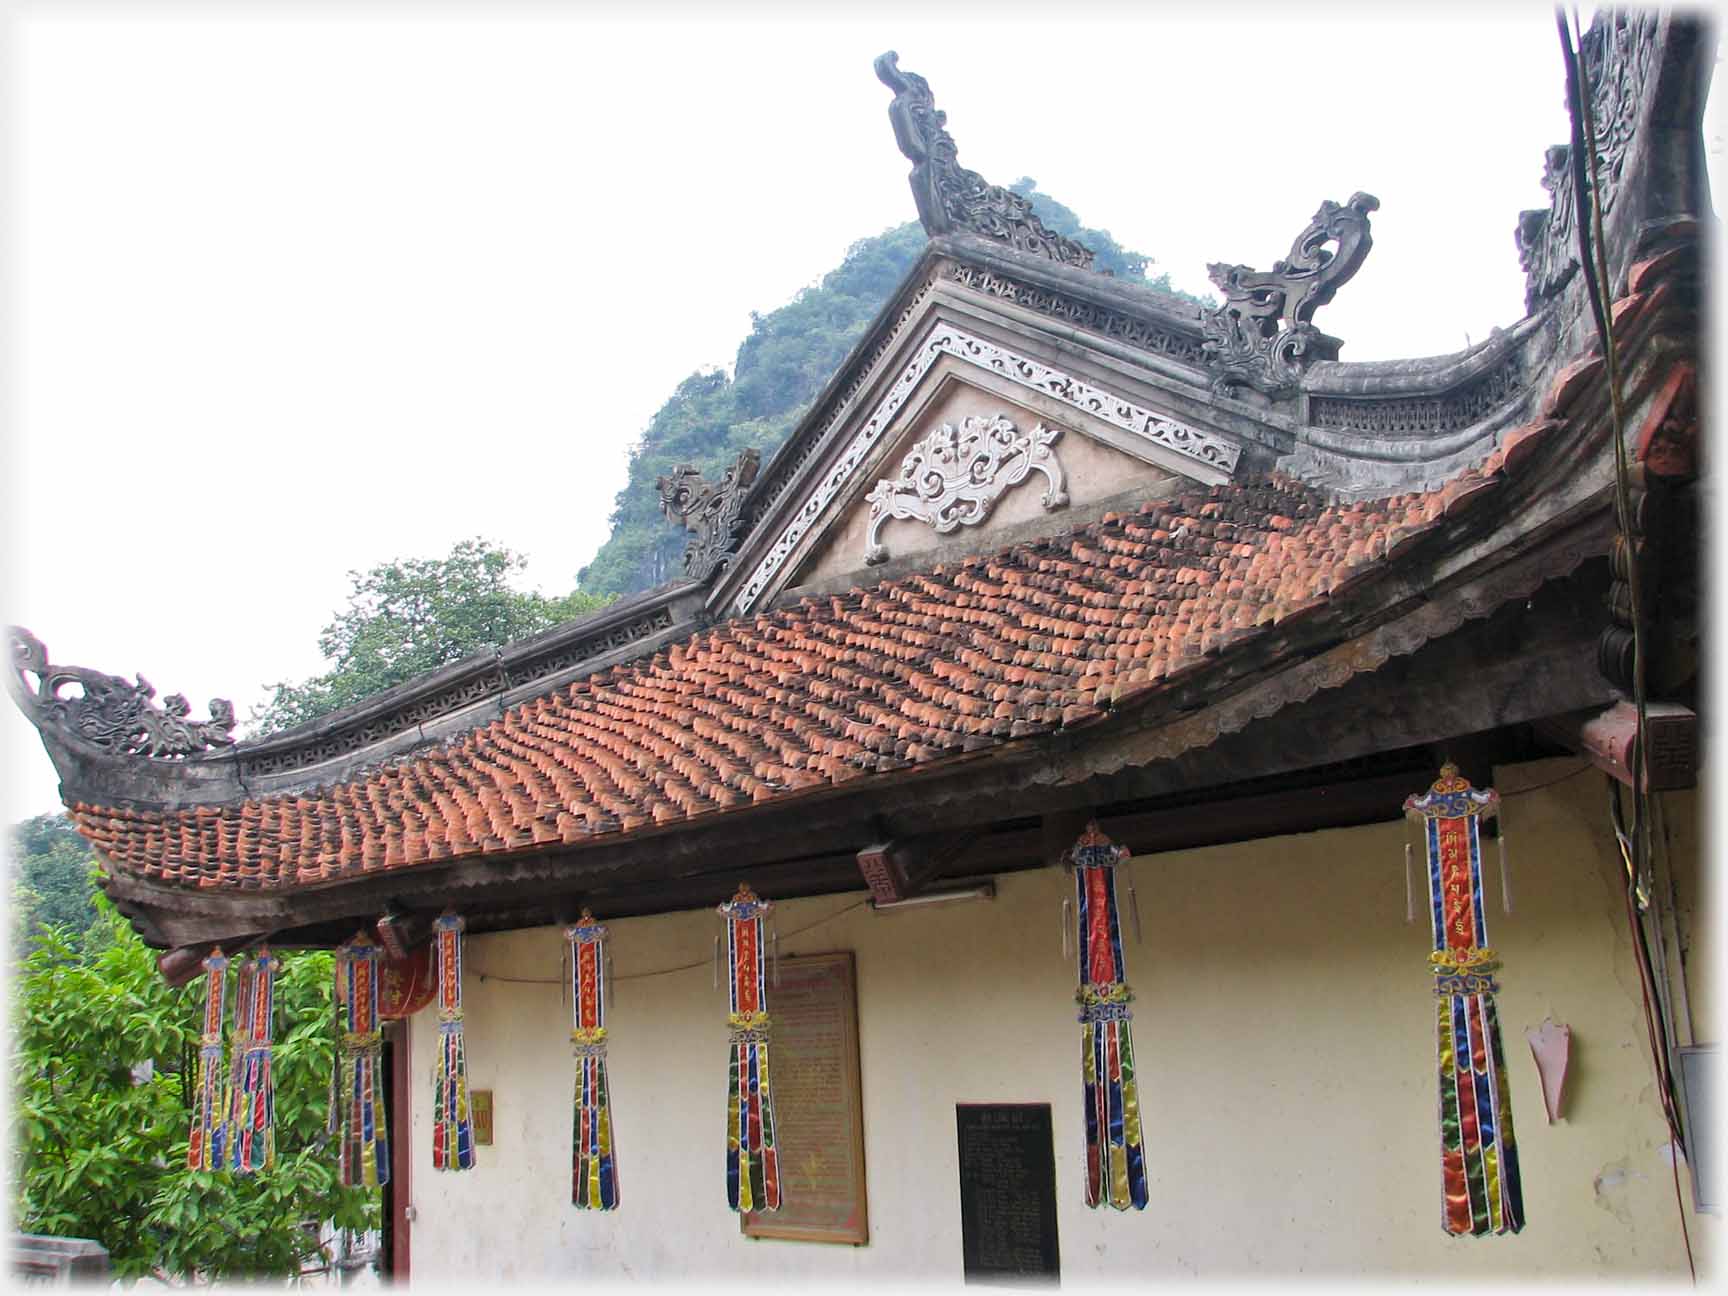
(109, 712)
(950, 198)
(1263, 335)
(711, 510)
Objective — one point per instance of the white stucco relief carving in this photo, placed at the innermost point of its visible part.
(1203, 447)
(953, 476)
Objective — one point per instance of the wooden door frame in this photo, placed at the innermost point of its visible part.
(398, 1196)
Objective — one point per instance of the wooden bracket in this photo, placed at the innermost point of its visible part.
(400, 931)
(185, 963)
(900, 867)
(1610, 741)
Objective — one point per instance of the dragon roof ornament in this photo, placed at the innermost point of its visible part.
(109, 712)
(711, 510)
(1263, 335)
(952, 199)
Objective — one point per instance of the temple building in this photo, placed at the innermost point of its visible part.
(1083, 653)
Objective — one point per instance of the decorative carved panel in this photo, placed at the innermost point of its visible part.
(1071, 310)
(953, 476)
(1452, 411)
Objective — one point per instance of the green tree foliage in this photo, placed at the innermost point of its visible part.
(51, 877)
(779, 369)
(100, 1154)
(411, 616)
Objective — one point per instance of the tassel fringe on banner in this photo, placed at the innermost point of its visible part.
(1115, 1155)
(252, 1132)
(452, 1122)
(362, 1133)
(205, 1145)
(1480, 1185)
(752, 1161)
(594, 1175)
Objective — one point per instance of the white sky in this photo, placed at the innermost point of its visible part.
(293, 292)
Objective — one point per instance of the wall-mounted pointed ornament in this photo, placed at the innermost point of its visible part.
(1115, 1154)
(594, 1178)
(1551, 1046)
(1480, 1184)
(752, 1161)
(452, 1121)
(363, 1136)
(208, 1137)
(252, 1131)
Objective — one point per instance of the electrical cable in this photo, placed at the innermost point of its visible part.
(1635, 847)
(682, 967)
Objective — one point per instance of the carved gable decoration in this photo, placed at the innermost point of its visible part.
(1263, 335)
(950, 198)
(953, 476)
(711, 511)
(946, 347)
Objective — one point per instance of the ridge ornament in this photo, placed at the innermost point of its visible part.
(752, 1160)
(594, 1173)
(1481, 1191)
(952, 199)
(1115, 1153)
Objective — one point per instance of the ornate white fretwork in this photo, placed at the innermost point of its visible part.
(944, 339)
(953, 476)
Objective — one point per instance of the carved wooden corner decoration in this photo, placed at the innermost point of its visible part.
(1263, 335)
(108, 712)
(1616, 55)
(711, 511)
(953, 477)
(952, 199)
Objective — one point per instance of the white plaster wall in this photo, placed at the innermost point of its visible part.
(1285, 1037)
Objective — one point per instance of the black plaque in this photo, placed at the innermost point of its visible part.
(1007, 1192)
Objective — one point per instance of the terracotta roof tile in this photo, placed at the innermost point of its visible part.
(1043, 635)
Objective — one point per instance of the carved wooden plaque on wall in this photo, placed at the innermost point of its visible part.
(1007, 1192)
(818, 1107)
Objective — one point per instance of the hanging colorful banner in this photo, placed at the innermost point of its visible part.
(1480, 1186)
(752, 1163)
(252, 1130)
(362, 1130)
(1115, 1157)
(594, 1181)
(205, 1143)
(452, 1123)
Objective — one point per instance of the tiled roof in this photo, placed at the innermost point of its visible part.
(968, 655)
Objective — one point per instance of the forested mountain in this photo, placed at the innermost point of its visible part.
(790, 353)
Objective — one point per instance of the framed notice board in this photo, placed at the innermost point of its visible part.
(1007, 1192)
(818, 1104)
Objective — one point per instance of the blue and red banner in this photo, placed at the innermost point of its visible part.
(1480, 1187)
